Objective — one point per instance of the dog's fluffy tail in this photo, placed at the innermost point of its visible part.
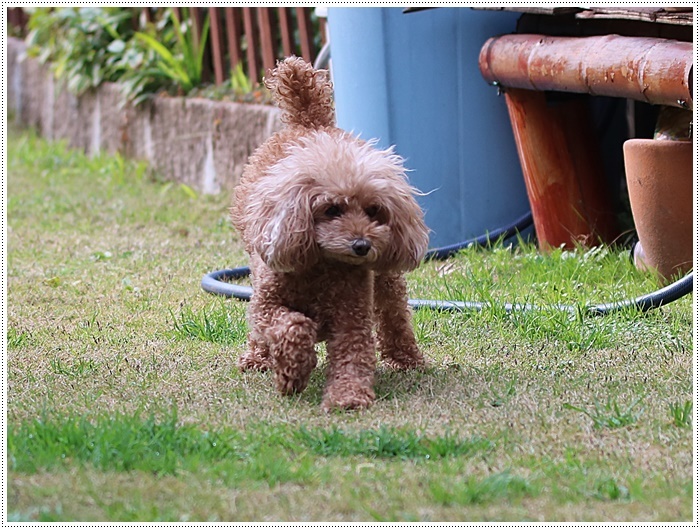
(304, 95)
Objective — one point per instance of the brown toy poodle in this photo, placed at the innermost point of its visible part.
(330, 223)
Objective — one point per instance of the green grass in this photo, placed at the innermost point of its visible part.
(610, 414)
(275, 455)
(126, 443)
(124, 401)
(682, 414)
(388, 443)
(500, 486)
(218, 324)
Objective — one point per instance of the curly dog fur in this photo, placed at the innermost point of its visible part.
(330, 223)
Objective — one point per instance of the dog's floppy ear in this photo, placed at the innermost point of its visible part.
(409, 234)
(280, 224)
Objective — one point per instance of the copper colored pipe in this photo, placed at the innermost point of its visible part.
(654, 70)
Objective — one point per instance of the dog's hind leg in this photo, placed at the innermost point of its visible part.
(397, 343)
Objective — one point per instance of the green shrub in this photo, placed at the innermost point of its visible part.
(82, 44)
(87, 46)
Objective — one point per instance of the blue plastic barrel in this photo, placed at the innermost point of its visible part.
(413, 81)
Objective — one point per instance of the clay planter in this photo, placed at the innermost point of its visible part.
(660, 184)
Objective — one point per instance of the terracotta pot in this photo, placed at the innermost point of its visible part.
(660, 184)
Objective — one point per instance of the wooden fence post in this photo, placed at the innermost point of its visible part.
(286, 31)
(306, 36)
(252, 41)
(233, 36)
(267, 43)
(216, 37)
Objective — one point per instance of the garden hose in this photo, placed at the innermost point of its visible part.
(487, 239)
(654, 300)
(219, 283)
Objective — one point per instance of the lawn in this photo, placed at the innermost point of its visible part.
(124, 402)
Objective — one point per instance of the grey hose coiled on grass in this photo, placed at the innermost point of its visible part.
(656, 299)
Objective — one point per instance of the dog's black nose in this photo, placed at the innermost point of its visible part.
(361, 247)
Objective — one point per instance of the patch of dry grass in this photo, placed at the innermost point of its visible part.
(104, 261)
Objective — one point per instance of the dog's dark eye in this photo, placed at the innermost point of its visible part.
(333, 211)
(372, 211)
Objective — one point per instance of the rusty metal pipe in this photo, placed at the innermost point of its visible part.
(657, 71)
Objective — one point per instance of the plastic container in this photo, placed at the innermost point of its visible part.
(412, 80)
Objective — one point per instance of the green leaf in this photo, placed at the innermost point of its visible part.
(177, 74)
(188, 191)
(156, 46)
(202, 48)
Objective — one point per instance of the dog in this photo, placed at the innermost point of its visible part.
(331, 224)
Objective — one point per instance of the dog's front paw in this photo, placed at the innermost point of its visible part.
(347, 398)
(293, 353)
(293, 378)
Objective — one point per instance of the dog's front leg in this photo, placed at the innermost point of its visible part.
(351, 358)
(281, 339)
(291, 339)
(397, 343)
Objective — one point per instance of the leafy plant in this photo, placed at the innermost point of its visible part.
(90, 45)
(178, 67)
(82, 44)
(240, 83)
